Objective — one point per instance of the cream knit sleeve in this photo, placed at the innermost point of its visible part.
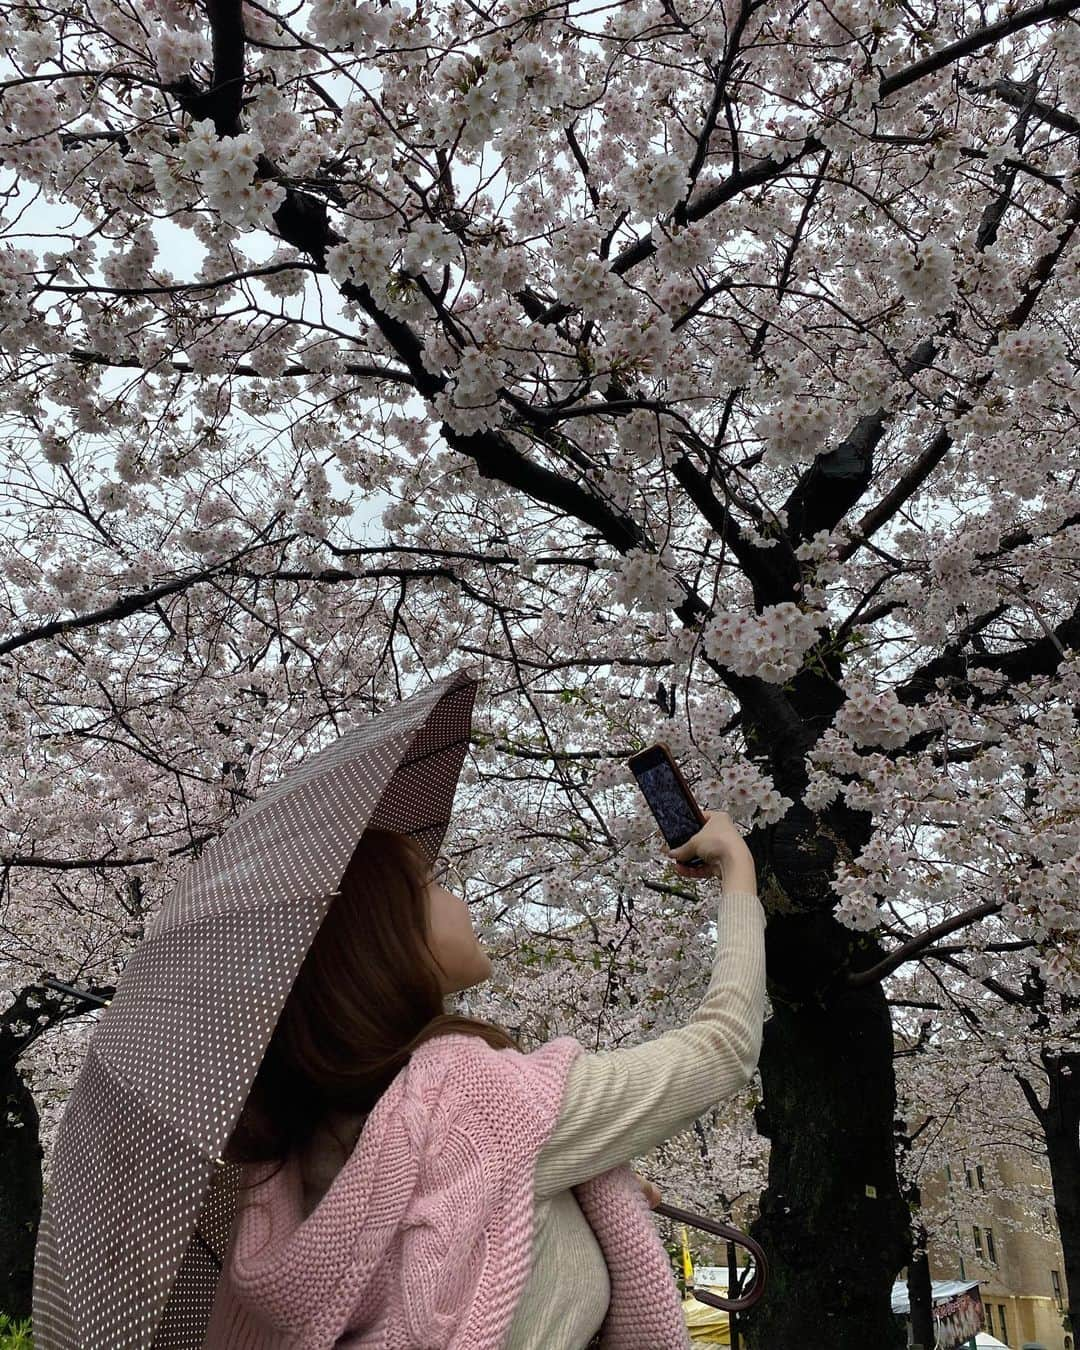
(619, 1104)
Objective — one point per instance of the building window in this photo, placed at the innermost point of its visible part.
(1004, 1324)
(948, 1172)
(967, 1176)
(978, 1241)
(990, 1245)
(1055, 1280)
(987, 1318)
(979, 1174)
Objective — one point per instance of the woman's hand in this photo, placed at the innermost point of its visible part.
(723, 851)
(649, 1190)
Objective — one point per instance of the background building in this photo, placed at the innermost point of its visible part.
(1021, 1270)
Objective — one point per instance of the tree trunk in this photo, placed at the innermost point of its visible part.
(20, 1191)
(921, 1292)
(832, 1220)
(1061, 1124)
(920, 1287)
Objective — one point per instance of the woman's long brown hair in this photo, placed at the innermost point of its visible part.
(366, 995)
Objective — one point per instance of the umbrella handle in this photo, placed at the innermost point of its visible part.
(724, 1230)
(84, 994)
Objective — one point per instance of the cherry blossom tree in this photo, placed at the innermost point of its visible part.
(718, 367)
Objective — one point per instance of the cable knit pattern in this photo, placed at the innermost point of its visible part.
(424, 1237)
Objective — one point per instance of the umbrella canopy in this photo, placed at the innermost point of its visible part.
(140, 1205)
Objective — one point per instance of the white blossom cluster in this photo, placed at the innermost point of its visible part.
(588, 283)
(770, 645)
(924, 279)
(114, 495)
(871, 717)
(35, 46)
(175, 51)
(822, 569)
(55, 448)
(427, 242)
(68, 578)
(31, 119)
(745, 793)
(1034, 353)
(224, 166)
(612, 773)
(795, 429)
(858, 906)
(639, 435)
(131, 465)
(271, 116)
(645, 582)
(560, 892)
(954, 569)
(17, 266)
(130, 265)
(470, 401)
(822, 787)
(487, 106)
(654, 184)
(352, 25)
(366, 255)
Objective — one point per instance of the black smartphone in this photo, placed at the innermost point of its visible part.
(670, 799)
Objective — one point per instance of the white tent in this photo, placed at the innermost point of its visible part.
(940, 1290)
(987, 1342)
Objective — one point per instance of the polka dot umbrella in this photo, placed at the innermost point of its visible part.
(137, 1215)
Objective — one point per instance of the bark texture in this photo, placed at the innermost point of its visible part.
(832, 1219)
(20, 1192)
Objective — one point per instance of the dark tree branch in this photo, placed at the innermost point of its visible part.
(184, 368)
(362, 550)
(94, 864)
(981, 37)
(334, 575)
(179, 287)
(773, 572)
(132, 604)
(837, 479)
(1003, 991)
(227, 37)
(1039, 657)
(1039, 1111)
(1016, 94)
(720, 84)
(917, 946)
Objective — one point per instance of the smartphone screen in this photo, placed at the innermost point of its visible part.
(674, 812)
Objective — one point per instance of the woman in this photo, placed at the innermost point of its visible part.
(393, 1210)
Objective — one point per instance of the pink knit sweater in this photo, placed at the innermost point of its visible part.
(424, 1237)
